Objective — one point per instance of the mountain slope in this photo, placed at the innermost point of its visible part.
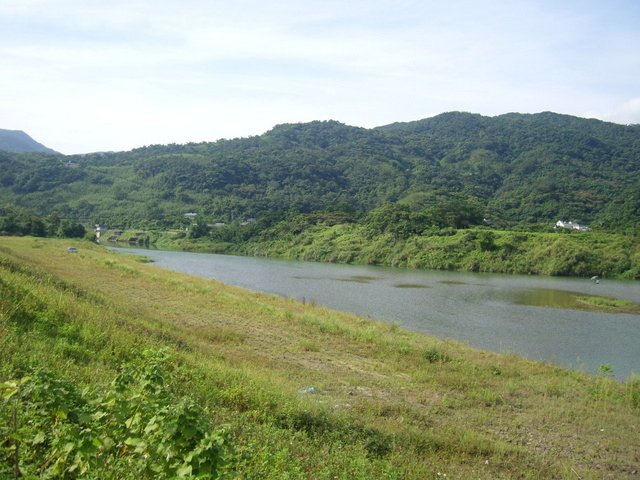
(18, 141)
(527, 167)
(519, 169)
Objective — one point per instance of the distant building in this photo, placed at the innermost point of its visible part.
(100, 229)
(191, 215)
(571, 226)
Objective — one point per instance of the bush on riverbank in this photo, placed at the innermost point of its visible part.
(474, 249)
(478, 249)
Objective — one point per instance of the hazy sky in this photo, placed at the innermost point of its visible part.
(84, 75)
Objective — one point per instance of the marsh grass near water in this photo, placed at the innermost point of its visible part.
(543, 297)
(452, 282)
(358, 279)
(270, 387)
(411, 285)
(615, 303)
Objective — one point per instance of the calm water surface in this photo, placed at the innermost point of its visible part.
(483, 310)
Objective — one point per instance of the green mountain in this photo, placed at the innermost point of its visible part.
(18, 141)
(515, 168)
(530, 168)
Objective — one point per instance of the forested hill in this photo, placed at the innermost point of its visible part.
(18, 141)
(531, 167)
(514, 168)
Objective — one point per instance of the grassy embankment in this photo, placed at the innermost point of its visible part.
(476, 250)
(388, 403)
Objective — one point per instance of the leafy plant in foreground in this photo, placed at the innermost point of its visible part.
(137, 429)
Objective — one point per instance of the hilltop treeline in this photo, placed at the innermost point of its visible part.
(512, 170)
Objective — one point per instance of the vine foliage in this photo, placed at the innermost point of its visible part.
(136, 429)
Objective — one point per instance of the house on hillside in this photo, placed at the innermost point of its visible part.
(560, 224)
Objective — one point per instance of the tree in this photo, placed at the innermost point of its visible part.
(71, 230)
(456, 212)
(394, 218)
(198, 230)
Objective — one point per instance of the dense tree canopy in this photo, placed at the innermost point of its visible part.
(21, 221)
(453, 170)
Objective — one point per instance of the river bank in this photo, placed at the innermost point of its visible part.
(574, 321)
(582, 254)
(304, 391)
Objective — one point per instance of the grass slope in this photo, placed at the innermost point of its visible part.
(388, 403)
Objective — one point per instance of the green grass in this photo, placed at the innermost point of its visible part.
(387, 403)
(606, 302)
(541, 297)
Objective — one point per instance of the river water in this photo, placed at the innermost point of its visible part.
(488, 311)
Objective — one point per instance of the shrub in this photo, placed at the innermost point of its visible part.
(435, 356)
(137, 429)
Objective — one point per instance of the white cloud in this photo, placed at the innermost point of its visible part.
(94, 75)
(627, 112)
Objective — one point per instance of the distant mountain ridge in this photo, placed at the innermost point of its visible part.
(17, 141)
(518, 169)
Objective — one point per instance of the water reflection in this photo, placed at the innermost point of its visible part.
(547, 297)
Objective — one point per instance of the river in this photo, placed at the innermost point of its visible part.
(501, 313)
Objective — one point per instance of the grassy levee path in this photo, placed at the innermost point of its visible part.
(302, 391)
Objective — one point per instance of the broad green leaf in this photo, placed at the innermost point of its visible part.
(62, 413)
(135, 442)
(107, 443)
(39, 438)
(9, 389)
(184, 471)
(99, 415)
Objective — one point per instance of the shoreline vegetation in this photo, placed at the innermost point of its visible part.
(608, 304)
(541, 297)
(479, 249)
(571, 300)
(232, 383)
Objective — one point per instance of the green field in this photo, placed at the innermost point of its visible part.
(113, 368)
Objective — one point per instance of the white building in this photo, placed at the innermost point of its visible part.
(571, 226)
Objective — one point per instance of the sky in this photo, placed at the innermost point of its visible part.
(84, 76)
